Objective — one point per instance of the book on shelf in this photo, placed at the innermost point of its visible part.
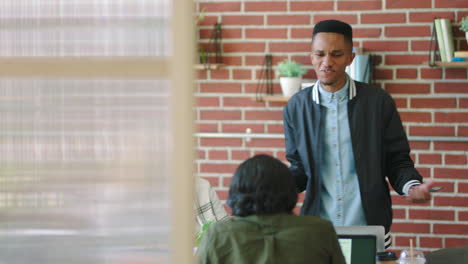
(447, 34)
(440, 40)
(461, 54)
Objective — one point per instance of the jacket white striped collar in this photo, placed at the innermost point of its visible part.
(315, 91)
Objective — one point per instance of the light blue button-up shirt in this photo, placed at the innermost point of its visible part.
(340, 196)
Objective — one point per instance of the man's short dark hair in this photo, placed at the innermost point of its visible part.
(262, 185)
(334, 26)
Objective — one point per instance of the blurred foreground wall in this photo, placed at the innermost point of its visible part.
(84, 163)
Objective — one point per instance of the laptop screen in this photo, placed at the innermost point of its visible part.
(377, 231)
(358, 249)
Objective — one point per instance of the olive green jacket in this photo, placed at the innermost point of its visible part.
(271, 239)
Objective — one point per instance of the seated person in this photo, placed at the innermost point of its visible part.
(262, 196)
(454, 255)
(207, 205)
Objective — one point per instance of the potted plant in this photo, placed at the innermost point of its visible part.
(291, 76)
(464, 26)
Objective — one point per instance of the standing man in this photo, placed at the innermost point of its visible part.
(344, 138)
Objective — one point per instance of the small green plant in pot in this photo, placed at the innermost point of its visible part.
(464, 26)
(291, 76)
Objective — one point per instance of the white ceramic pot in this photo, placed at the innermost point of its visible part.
(466, 36)
(290, 85)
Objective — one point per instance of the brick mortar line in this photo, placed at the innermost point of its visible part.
(404, 67)
(308, 39)
(434, 208)
(212, 174)
(431, 233)
(405, 11)
(449, 110)
(421, 95)
(226, 81)
(395, 95)
(445, 194)
(437, 180)
(441, 166)
(240, 122)
(437, 96)
(417, 151)
(250, 149)
(425, 96)
(310, 26)
(430, 124)
(242, 108)
(401, 220)
(446, 110)
(429, 221)
(277, 135)
(241, 149)
(400, 81)
(280, 108)
(450, 195)
(223, 162)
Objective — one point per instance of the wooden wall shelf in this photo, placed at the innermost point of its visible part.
(211, 66)
(274, 98)
(452, 64)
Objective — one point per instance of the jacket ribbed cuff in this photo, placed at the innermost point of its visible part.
(408, 185)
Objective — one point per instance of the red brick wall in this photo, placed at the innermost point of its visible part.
(433, 102)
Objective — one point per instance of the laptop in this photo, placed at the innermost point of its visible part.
(358, 249)
(377, 231)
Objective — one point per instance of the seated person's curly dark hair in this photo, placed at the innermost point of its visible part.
(262, 185)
